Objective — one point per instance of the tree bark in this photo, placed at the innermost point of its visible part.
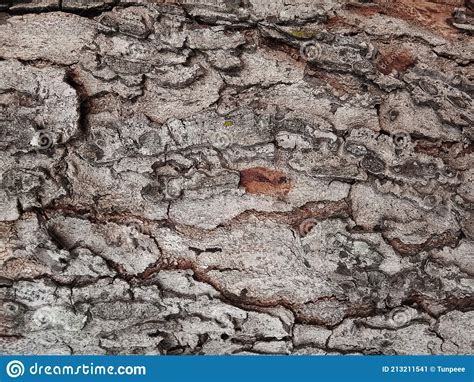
(235, 177)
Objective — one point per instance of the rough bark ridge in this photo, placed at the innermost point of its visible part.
(254, 176)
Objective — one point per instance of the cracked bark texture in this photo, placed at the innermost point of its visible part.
(236, 177)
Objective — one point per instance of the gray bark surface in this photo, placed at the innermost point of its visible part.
(236, 177)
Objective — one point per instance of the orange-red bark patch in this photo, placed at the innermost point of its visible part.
(432, 14)
(260, 180)
(399, 60)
